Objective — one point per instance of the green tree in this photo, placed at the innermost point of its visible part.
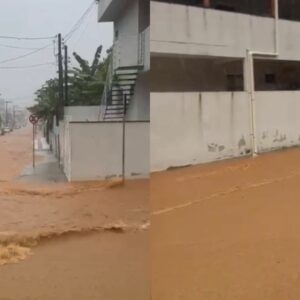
(47, 100)
(86, 87)
(87, 82)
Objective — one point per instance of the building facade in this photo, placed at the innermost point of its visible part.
(128, 78)
(113, 142)
(225, 79)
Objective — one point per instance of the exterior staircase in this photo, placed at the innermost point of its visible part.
(121, 92)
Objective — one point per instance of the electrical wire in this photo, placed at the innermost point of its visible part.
(16, 47)
(27, 67)
(26, 38)
(17, 98)
(79, 22)
(25, 55)
(83, 31)
(66, 37)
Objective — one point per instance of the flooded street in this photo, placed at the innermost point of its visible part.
(69, 241)
(228, 230)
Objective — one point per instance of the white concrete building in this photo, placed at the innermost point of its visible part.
(225, 79)
(92, 143)
(130, 60)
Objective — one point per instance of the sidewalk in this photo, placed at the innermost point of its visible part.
(47, 170)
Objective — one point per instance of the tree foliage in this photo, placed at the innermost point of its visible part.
(86, 85)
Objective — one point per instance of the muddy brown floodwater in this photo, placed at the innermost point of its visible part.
(228, 230)
(69, 241)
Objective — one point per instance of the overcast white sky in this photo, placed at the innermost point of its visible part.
(36, 18)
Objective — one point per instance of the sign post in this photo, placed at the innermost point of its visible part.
(33, 119)
(124, 138)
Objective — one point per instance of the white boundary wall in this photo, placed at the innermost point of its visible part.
(193, 128)
(95, 150)
(278, 120)
(82, 113)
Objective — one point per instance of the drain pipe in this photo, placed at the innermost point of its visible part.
(250, 61)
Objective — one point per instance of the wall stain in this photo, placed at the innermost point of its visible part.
(212, 147)
(135, 174)
(188, 27)
(111, 176)
(242, 142)
(174, 168)
(200, 105)
(248, 151)
(279, 137)
(264, 135)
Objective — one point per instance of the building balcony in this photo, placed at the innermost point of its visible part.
(108, 10)
(178, 29)
(132, 50)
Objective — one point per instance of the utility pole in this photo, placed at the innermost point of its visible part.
(66, 77)
(124, 139)
(14, 117)
(6, 113)
(60, 81)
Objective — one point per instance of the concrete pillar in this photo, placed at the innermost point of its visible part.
(206, 3)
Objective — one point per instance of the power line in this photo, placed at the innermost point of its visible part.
(18, 98)
(83, 31)
(66, 37)
(16, 47)
(27, 67)
(24, 55)
(26, 38)
(79, 22)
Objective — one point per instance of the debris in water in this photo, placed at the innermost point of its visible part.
(13, 253)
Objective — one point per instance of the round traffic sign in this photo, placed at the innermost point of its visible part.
(33, 119)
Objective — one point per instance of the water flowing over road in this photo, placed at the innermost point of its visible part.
(228, 230)
(69, 240)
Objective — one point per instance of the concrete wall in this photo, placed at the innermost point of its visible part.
(54, 138)
(96, 150)
(131, 41)
(65, 147)
(278, 121)
(126, 47)
(193, 128)
(179, 29)
(82, 113)
(144, 49)
(103, 6)
(139, 108)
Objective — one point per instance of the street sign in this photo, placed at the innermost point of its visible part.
(33, 119)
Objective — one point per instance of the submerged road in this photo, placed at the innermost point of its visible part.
(69, 241)
(228, 230)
